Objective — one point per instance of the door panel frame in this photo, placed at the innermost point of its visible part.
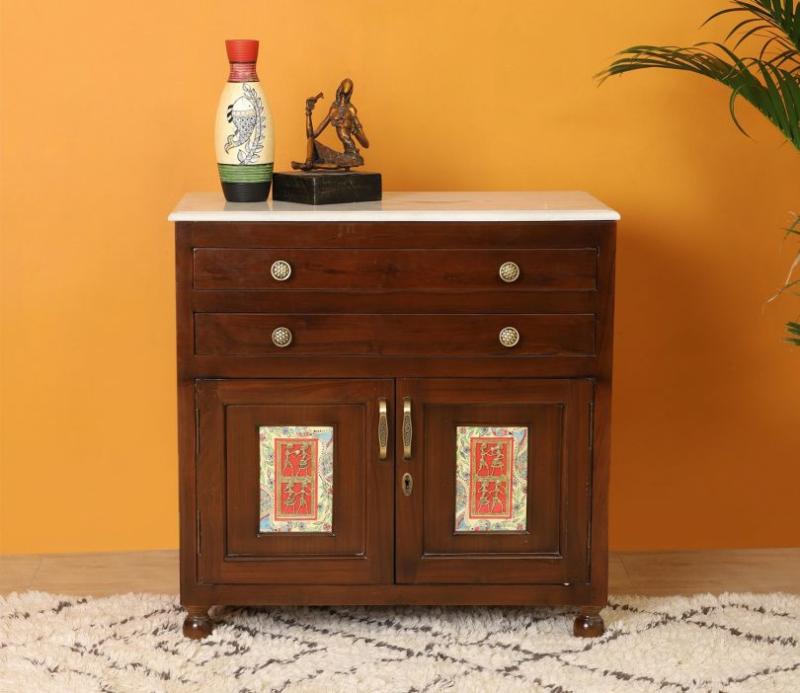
(370, 564)
(413, 565)
(243, 483)
(538, 516)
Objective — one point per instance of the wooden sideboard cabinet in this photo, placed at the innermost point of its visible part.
(400, 402)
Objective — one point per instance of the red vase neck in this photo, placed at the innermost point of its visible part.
(243, 72)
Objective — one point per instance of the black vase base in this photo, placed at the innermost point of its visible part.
(246, 192)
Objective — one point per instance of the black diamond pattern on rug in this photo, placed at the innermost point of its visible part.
(733, 643)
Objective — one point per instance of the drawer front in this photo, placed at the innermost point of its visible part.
(564, 269)
(251, 335)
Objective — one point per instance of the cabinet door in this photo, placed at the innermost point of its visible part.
(292, 485)
(499, 481)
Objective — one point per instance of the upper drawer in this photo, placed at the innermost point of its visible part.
(564, 269)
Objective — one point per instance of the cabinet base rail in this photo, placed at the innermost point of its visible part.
(588, 623)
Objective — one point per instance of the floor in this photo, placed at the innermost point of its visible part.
(645, 573)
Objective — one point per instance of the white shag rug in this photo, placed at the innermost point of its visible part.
(133, 643)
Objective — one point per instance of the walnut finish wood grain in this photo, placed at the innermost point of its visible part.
(553, 549)
(415, 270)
(232, 549)
(245, 334)
(371, 304)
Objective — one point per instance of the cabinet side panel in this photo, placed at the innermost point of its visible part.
(601, 433)
(187, 433)
(187, 488)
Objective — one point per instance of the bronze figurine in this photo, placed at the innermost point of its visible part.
(343, 116)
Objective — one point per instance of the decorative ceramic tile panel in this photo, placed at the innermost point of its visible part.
(491, 478)
(296, 478)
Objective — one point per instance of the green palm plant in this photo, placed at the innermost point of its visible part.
(769, 80)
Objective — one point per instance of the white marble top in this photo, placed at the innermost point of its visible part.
(406, 206)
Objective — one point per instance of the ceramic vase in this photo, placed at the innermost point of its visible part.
(244, 134)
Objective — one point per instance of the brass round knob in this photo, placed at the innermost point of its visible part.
(280, 270)
(281, 337)
(509, 272)
(509, 337)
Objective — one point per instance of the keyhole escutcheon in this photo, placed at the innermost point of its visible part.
(408, 484)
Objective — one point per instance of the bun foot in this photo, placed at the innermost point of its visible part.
(589, 624)
(197, 625)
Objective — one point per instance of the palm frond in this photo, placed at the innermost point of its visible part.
(781, 17)
(793, 328)
(794, 228)
(772, 90)
(770, 82)
(791, 284)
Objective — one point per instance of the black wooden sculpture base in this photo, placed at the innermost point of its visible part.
(326, 187)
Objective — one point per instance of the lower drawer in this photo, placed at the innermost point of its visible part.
(248, 334)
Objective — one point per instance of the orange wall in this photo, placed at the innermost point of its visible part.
(107, 118)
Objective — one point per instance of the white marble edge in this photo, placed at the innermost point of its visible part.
(407, 206)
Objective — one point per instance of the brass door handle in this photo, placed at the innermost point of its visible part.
(407, 428)
(383, 431)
